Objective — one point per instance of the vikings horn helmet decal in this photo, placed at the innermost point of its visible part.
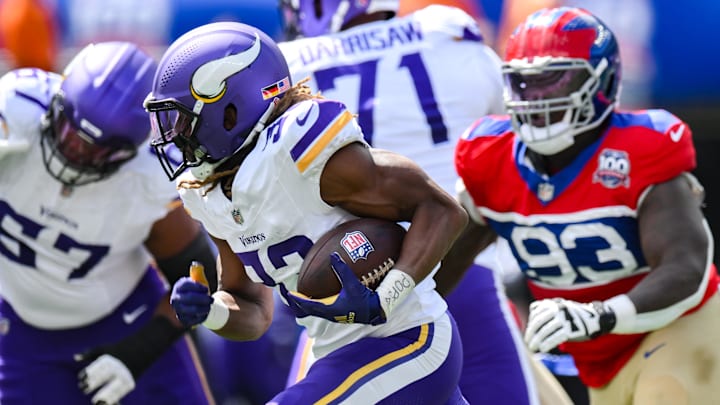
(210, 72)
(208, 83)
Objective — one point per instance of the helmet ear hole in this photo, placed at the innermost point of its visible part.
(318, 8)
(610, 86)
(230, 117)
(233, 98)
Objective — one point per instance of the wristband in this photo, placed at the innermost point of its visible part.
(393, 289)
(218, 315)
(606, 318)
(625, 313)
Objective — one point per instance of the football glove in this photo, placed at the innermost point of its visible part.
(109, 376)
(555, 321)
(355, 303)
(191, 301)
(113, 369)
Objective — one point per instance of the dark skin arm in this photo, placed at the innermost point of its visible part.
(474, 238)
(673, 240)
(367, 183)
(168, 237)
(675, 245)
(382, 184)
(250, 303)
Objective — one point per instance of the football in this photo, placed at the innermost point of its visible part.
(369, 246)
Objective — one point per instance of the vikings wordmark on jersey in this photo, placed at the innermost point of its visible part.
(271, 191)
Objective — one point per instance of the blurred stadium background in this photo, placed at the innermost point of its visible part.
(670, 51)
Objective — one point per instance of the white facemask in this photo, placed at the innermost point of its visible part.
(550, 139)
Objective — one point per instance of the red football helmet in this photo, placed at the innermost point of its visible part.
(562, 77)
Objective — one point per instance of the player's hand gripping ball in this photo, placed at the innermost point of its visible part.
(369, 246)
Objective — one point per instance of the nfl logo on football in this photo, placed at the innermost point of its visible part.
(357, 246)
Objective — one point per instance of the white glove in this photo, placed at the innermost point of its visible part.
(111, 376)
(555, 321)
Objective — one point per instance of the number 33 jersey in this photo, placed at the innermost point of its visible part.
(416, 82)
(575, 233)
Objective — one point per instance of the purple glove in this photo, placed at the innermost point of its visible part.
(355, 303)
(191, 301)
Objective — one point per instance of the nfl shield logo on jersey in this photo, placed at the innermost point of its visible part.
(546, 192)
(613, 169)
(357, 245)
(237, 216)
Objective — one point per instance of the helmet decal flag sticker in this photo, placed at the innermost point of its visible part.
(276, 88)
(208, 83)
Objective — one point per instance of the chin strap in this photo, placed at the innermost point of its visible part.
(205, 169)
(260, 125)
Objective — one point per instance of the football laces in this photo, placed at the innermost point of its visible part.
(377, 274)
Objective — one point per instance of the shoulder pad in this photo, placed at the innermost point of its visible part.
(657, 120)
(312, 130)
(33, 86)
(654, 136)
(669, 125)
(25, 95)
(451, 21)
(671, 128)
(490, 125)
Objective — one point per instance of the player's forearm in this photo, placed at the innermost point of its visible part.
(459, 258)
(665, 294)
(198, 249)
(247, 319)
(676, 244)
(434, 228)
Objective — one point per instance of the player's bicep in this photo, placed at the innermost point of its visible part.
(671, 225)
(170, 235)
(373, 182)
(474, 238)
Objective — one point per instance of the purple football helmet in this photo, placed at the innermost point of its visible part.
(96, 120)
(311, 18)
(562, 77)
(209, 73)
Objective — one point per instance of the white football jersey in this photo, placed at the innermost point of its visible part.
(426, 77)
(67, 260)
(416, 82)
(277, 213)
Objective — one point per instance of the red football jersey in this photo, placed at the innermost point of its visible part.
(575, 233)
